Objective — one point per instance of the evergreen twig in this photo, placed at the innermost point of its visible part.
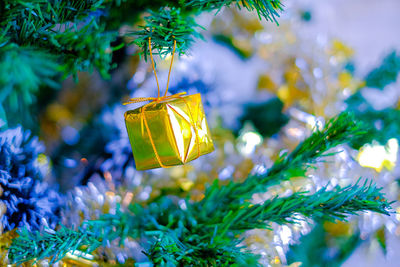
(339, 130)
(163, 27)
(46, 241)
(40, 40)
(56, 244)
(72, 35)
(187, 236)
(386, 73)
(333, 205)
(203, 233)
(268, 9)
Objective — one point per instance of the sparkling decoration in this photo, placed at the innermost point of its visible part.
(249, 139)
(377, 157)
(309, 78)
(169, 133)
(25, 199)
(103, 197)
(312, 80)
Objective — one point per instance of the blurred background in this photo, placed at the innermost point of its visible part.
(264, 88)
(369, 28)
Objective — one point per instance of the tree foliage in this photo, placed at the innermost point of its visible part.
(206, 233)
(58, 38)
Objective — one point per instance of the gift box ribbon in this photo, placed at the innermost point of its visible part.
(158, 99)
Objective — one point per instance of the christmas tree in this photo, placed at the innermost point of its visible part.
(82, 202)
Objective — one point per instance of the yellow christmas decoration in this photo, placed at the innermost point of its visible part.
(265, 82)
(168, 131)
(289, 95)
(338, 228)
(79, 259)
(5, 243)
(294, 89)
(341, 51)
(377, 156)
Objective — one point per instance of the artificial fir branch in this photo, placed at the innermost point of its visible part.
(167, 250)
(163, 27)
(59, 29)
(49, 38)
(339, 130)
(380, 125)
(327, 205)
(51, 244)
(23, 71)
(72, 35)
(200, 242)
(269, 9)
(386, 73)
(192, 235)
(56, 244)
(205, 231)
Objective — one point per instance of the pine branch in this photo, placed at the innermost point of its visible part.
(269, 9)
(202, 242)
(163, 27)
(381, 125)
(167, 250)
(339, 130)
(71, 36)
(190, 238)
(386, 73)
(203, 232)
(84, 49)
(39, 40)
(50, 244)
(56, 244)
(28, 23)
(333, 205)
(77, 48)
(23, 71)
(47, 11)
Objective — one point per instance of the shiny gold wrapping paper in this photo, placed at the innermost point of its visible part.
(172, 125)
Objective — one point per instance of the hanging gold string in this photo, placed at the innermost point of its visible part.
(158, 99)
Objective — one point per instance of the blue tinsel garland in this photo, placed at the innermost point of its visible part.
(29, 201)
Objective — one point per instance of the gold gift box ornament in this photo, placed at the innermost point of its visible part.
(168, 131)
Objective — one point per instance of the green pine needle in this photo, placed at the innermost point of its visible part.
(268, 9)
(39, 40)
(205, 233)
(167, 250)
(50, 244)
(386, 73)
(163, 27)
(56, 244)
(70, 36)
(23, 71)
(339, 130)
(333, 205)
